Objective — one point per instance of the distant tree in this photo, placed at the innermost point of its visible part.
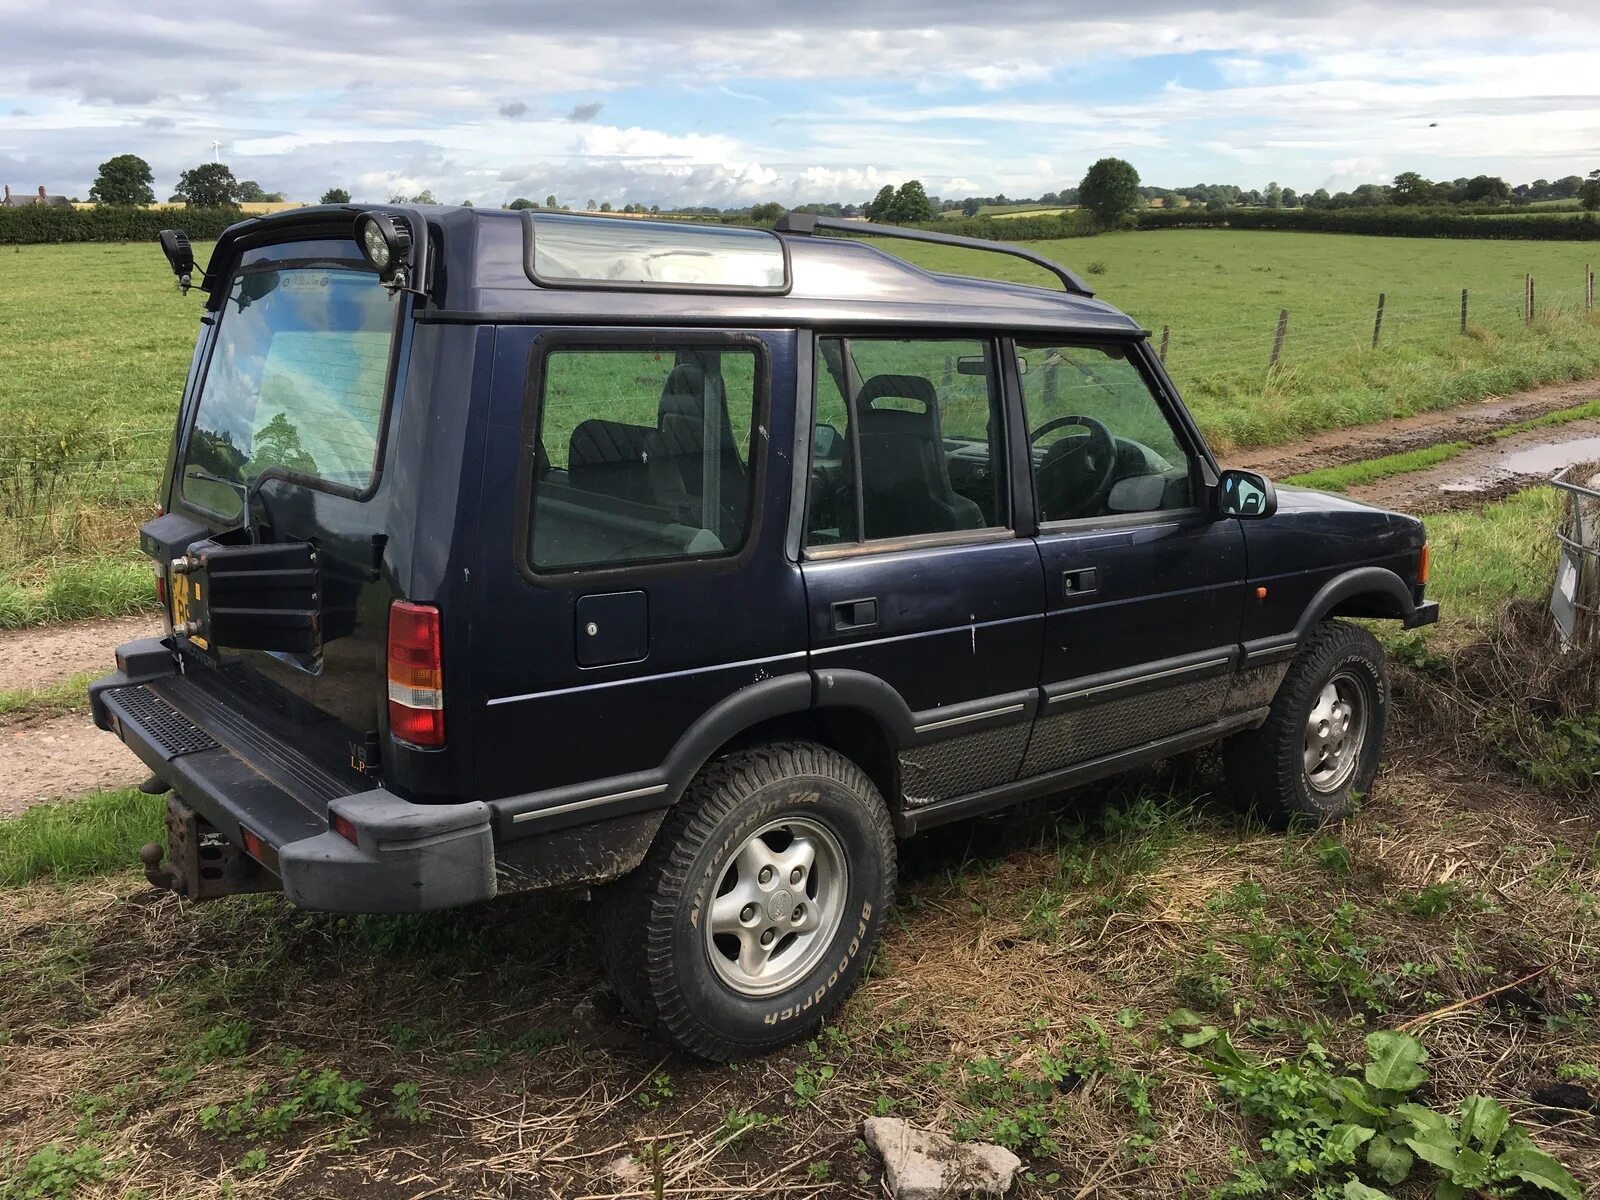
(550, 201)
(1317, 199)
(911, 203)
(1110, 189)
(605, 206)
(425, 196)
(655, 209)
(1589, 193)
(1273, 196)
(520, 203)
(1216, 204)
(466, 204)
(592, 206)
(1411, 188)
(210, 185)
(123, 181)
(1566, 187)
(881, 206)
(251, 192)
(1489, 189)
(970, 207)
(336, 195)
(1291, 198)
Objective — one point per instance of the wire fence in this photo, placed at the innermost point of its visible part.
(64, 492)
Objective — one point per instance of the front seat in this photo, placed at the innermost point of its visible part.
(905, 477)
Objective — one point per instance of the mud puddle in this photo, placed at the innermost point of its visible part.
(1487, 471)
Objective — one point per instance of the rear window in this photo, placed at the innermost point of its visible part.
(296, 381)
(642, 455)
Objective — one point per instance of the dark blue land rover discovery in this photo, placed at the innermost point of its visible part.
(696, 566)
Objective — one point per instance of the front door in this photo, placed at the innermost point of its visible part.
(925, 605)
(1144, 586)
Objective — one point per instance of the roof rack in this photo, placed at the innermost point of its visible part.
(810, 223)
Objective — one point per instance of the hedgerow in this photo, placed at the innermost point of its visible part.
(35, 225)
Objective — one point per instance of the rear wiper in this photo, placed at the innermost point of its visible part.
(202, 474)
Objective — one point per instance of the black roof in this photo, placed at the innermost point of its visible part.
(480, 274)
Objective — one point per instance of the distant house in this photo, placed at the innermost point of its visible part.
(42, 198)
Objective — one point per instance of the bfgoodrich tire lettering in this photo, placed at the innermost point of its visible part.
(1338, 676)
(653, 924)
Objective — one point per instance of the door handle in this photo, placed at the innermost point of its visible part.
(851, 615)
(1083, 582)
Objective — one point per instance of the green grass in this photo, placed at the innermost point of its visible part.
(1220, 293)
(1349, 475)
(1481, 557)
(102, 586)
(62, 696)
(1563, 416)
(75, 838)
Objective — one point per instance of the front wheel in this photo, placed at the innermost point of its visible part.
(754, 914)
(1317, 753)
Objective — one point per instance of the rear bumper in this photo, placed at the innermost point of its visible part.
(241, 775)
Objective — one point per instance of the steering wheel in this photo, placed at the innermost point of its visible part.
(1075, 473)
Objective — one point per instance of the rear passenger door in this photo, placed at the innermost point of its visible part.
(1144, 586)
(631, 578)
(925, 605)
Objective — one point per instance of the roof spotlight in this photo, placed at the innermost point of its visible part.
(175, 245)
(384, 240)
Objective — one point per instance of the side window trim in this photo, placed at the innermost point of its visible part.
(999, 406)
(1184, 431)
(642, 340)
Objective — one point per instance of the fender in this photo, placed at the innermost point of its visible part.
(858, 689)
(597, 800)
(1362, 581)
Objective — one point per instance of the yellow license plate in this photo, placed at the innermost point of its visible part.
(186, 599)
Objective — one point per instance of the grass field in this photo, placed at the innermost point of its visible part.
(92, 361)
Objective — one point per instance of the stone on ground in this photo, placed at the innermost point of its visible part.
(923, 1164)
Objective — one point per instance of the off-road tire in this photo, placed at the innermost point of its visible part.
(1265, 767)
(652, 946)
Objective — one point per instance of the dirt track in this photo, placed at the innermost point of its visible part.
(1463, 423)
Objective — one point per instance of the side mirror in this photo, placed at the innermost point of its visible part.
(825, 441)
(1247, 495)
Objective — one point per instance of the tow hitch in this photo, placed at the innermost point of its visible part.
(203, 864)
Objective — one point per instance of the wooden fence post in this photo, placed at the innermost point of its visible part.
(1527, 299)
(1463, 312)
(1377, 322)
(1166, 334)
(1277, 339)
(1588, 287)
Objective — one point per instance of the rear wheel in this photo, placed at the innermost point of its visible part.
(754, 914)
(1318, 751)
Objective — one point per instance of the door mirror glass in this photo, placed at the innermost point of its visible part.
(972, 364)
(1246, 494)
(826, 442)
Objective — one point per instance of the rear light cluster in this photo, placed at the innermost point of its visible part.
(1422, 567)
(416, 675)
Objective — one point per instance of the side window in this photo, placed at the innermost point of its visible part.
(1100, 440)
(908, 439)
(642, 455)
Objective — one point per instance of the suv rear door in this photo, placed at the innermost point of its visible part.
(632, 576)
(1144, 586)
(925, 604)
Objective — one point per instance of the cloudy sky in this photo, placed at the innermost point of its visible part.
(712, 102)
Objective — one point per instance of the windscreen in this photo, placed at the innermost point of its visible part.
(296, 381)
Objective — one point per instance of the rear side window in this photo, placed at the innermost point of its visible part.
(642, 455)
(297, 381)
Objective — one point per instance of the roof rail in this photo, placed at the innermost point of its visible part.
(810, 223)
